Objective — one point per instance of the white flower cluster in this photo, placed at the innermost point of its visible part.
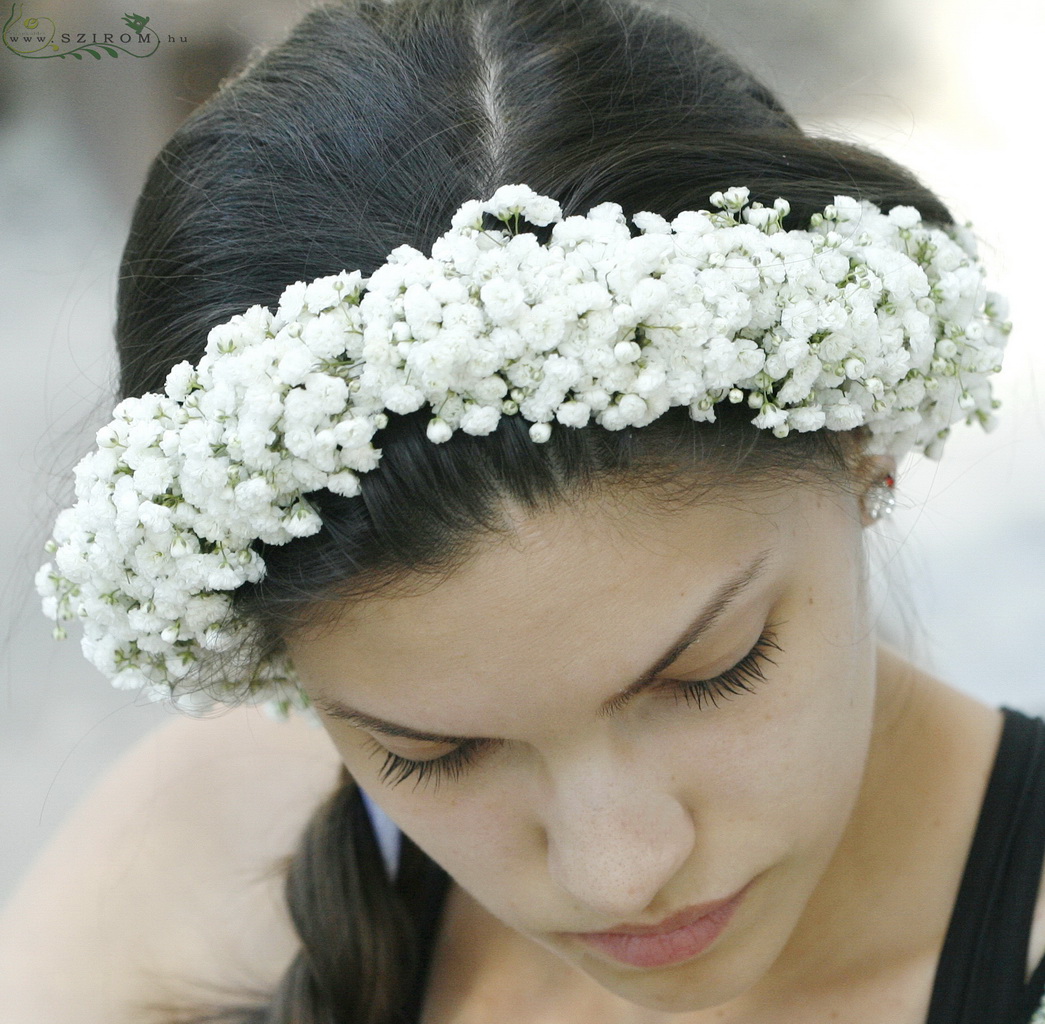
(865, 319)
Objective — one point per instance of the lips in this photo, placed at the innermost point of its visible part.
(677, 938)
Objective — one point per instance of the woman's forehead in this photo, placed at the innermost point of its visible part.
(571, 555)
(569, 592)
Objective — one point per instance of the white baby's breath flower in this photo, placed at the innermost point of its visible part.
(291, 302)
(804, 418)
(179, 380)
(862, 319)
(439, 431)
(480, 419)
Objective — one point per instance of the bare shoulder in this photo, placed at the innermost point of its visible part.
(167, 880)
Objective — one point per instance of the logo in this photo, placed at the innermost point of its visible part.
(40, 38)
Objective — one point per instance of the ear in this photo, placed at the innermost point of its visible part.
(875, 478)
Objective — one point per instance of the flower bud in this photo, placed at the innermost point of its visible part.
(438, 430)
(626, 351)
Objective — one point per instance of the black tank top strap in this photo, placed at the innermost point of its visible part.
(981, 976)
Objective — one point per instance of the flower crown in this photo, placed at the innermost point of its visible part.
(866, 319)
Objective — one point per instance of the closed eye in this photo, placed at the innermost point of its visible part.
(743, 677)
(446, 768)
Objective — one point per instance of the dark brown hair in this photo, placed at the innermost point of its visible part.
(366, 129)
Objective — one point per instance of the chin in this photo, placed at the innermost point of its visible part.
(684, 988)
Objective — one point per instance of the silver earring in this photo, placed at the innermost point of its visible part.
(880, 499)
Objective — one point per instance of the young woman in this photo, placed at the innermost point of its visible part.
(559, 532)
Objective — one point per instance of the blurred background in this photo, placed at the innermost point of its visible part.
(949, 87)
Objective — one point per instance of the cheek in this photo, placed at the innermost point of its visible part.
(821, 714)
(774, 774)
(488, 842)
(476, 833)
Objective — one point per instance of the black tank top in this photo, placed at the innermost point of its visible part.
(980, 978)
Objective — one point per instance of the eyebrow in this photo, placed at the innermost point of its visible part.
(708, 616)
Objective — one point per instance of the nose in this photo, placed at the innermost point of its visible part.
(614, 846)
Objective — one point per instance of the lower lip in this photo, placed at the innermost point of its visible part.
(663, 949)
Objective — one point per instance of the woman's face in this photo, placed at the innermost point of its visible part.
(521, 722)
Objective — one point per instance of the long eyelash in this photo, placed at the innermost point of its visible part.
(448, 768)
(743, 677)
